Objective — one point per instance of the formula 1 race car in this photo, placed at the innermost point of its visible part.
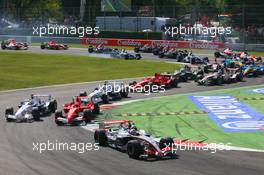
(250, 71)
(158, 81)
(81, 109)
(148, 48)
(233, 75)
(32, 109)
(125, 55)
(100, 49)
(109, 91)
(226, 53)
(11, 44)
(216, 78)
(168, 53)
(187, 73)
(54, 46)
(192, 59)
(124, 136)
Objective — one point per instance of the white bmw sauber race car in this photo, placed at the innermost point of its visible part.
(31, 109)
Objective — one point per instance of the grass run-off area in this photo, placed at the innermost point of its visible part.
(23, 70)
(197, 127)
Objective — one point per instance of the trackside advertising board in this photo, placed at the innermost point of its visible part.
(230, 114)
(164, 43)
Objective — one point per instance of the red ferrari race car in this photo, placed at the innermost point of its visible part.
(124, 136)
(54, 46)
(81, 109)
(157, 82)
(11, 44)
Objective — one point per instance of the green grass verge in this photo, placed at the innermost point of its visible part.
(22, 70)
(193, 127)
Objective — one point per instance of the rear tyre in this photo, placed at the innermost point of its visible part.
(124, 92)
(100, 137)
(83, 94)
(134, 149)
(87, 116)
(174, 83)
(136, 49)
(52, 106)
(90, 50)
(3, 46)
(9, 111)
(96, 109)
(57, 115)
(42, 46)
(36, 114)
(105, 99)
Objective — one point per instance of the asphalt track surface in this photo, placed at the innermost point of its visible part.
(18, 157)
(84, 52)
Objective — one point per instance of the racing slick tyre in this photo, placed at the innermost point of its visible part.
(57, 47)
(83, 94)
(240, 77)
(9, 111)
(105, 99)
(124, 92)
(219, 81)
(161, 55)
(100, 137)
(57, 115)
(36, 113)
(3, 46)
(53, 106)
(166, 142)
(96, 109)
(90, 49)
(155, 52)
(138, 56)
(174, 83)
(134, 149)
(136, 50)
(217, 54)
(42, 46)
(87, 115)
(206, 59)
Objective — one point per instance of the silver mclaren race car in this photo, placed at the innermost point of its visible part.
(124, 136)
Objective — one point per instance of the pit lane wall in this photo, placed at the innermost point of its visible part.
(164, 43)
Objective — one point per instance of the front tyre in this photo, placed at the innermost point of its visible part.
(9, 111)
(134, 149)
(100, 137)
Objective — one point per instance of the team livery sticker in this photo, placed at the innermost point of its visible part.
(230, 114)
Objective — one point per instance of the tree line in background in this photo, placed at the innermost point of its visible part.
(242, 12)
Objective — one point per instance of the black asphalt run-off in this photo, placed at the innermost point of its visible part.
(18, 157)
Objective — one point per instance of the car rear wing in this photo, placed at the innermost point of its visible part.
(105, 124)
(41, 95)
